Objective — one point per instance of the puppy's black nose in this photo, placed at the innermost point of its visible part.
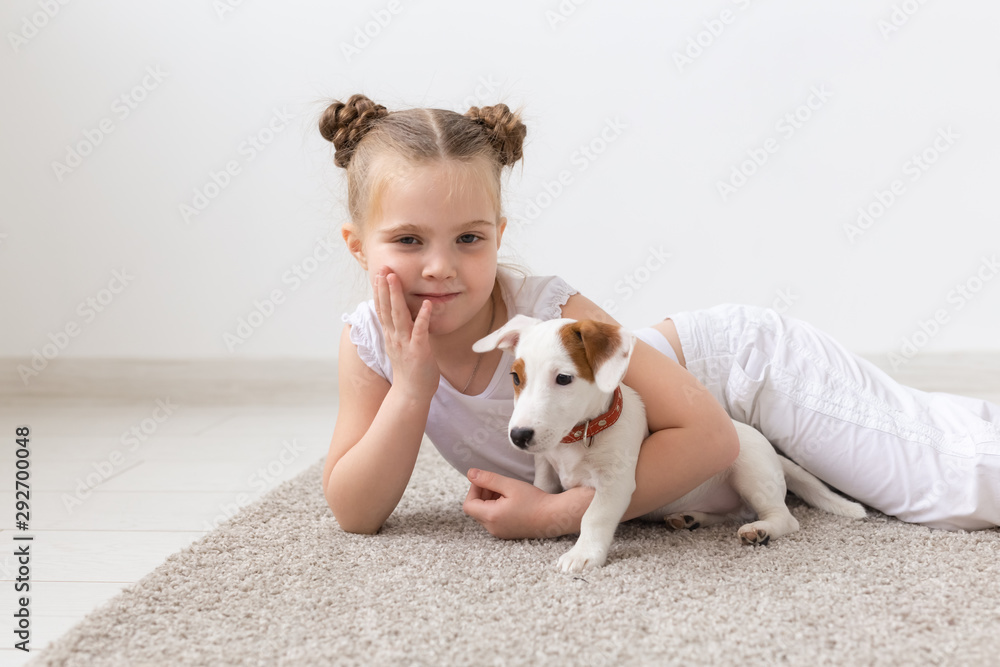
(522, 436)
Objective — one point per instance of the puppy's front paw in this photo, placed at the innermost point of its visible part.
(581, 558)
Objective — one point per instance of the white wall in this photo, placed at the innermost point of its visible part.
(671, 133)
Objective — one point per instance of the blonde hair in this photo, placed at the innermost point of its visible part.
(377, 146)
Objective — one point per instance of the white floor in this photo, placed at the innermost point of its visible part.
(105, 512)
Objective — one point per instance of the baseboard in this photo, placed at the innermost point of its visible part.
(315, 380)
(192, 380)
(970, 373)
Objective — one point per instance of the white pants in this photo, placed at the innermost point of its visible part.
(928, 458)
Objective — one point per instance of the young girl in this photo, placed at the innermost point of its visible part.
(426, 225)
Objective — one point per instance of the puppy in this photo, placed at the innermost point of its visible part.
(585, 428)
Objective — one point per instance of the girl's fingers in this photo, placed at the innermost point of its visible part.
(498, 485)
(422, 325)
(401, 318)
(383, 304)
(473, 494)
(477, 496)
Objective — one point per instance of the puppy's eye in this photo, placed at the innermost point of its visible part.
(563, 379)
(517, 380)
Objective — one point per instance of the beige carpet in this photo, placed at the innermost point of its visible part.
(281, 584)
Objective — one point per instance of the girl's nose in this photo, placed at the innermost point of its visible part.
(439, 266)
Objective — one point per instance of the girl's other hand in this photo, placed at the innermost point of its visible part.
(407, 340)
(510, 509)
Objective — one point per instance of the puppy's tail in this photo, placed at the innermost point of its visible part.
(816, 493)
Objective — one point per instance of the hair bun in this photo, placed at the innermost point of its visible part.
(346, 123)
(505, 130)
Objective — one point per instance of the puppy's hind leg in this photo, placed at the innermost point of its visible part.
(692, 520)
(758, 477)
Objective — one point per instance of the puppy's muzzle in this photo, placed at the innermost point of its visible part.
(521, 437)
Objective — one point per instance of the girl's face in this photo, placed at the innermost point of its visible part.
(439, 234)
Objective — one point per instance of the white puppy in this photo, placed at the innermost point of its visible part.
(585, 429)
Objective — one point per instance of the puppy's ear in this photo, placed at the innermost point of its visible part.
(608, 349)
(505, 337)
(612, 371)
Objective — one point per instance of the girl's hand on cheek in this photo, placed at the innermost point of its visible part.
(407, 340)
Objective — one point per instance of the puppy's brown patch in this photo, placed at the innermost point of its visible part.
(518, 367)
(590, 343)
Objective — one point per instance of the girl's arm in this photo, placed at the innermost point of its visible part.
(692, 438)
(380, 426)
(374, 446)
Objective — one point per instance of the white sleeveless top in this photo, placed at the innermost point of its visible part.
(471, 431)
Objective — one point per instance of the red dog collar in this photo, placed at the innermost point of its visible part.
(593, 426)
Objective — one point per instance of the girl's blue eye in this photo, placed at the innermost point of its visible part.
(468, 238)
(407, 240)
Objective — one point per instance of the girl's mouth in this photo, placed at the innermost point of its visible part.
(439, 298)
